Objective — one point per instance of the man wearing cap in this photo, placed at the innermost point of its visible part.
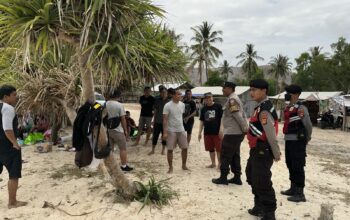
(264, 149)
(297, 131)
(234, 128)
(210, 120)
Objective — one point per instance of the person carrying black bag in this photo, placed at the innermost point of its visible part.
(297, 129)
(117, 130)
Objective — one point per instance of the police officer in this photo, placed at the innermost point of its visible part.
(264, 149)
(234, 128)
(297, 129)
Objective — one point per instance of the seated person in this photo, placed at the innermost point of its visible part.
(131, 125)
(25, 124)
(41, 125)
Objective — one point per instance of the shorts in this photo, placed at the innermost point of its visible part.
(145, 121)
(13, 163)
(117, 138)
(188, 128)
(179, 138)
(212, 143)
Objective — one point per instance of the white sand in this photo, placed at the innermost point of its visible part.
(199, 198)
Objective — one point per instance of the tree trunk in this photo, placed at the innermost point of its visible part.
(119, 179)
(206, 71)
(200, 73)
(55, 130)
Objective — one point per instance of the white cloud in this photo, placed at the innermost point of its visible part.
(289, 27)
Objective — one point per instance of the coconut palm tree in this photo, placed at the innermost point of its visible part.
(225, 70)
(248, 62)
(203, 50)
(104, 35)
(280, 68)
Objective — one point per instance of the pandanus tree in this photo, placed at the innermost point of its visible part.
(106, 38)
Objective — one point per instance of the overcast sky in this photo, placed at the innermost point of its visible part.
(289, 27)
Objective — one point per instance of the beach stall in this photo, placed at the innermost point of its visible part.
(316, 102)
(340, 107)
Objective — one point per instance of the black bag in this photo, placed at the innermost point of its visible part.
(111, 123)
(83, 157)
(89, 116)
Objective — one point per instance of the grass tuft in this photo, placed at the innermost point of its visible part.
(155, 193)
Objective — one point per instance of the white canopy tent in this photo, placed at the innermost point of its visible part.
(310, 96)
(216, 90)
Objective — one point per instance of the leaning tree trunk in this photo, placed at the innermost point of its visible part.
(119, 179)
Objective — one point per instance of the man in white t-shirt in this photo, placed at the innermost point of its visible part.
(173, 129)
(118, 135)
(10, 151)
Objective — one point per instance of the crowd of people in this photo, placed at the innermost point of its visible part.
(172, 116)
(224, 127)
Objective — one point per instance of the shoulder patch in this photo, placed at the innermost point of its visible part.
(301, 112)
(263, 118)
(234, 105)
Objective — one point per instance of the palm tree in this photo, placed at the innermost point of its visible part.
(225, 70)
(280, 68)
(203, 51)
(248, 62)
(104, 35)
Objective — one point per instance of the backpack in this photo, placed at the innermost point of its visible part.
(88, 117)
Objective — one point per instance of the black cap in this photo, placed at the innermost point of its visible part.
(229, 84)
(208, 94)
(293, 89)
(161, 87)
(259, 84)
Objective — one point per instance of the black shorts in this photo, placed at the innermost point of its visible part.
(188, 127)
(13, 163)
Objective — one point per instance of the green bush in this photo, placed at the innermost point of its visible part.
(155, 193)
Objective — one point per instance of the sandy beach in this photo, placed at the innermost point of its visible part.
(53, 178)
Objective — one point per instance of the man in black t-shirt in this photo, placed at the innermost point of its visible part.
(190, 112)
(146, 115)
(210, 119)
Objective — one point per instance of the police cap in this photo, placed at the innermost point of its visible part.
(259, 84)
(208, 94)
(293, 89)
(229, 84)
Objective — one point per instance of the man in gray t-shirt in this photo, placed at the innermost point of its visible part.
(119, 135)
(173, 129)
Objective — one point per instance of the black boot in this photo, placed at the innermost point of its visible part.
(298, 196)
(269, 216)
(235, 180)
(289, 192)
(256, 211)
(221, 180)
